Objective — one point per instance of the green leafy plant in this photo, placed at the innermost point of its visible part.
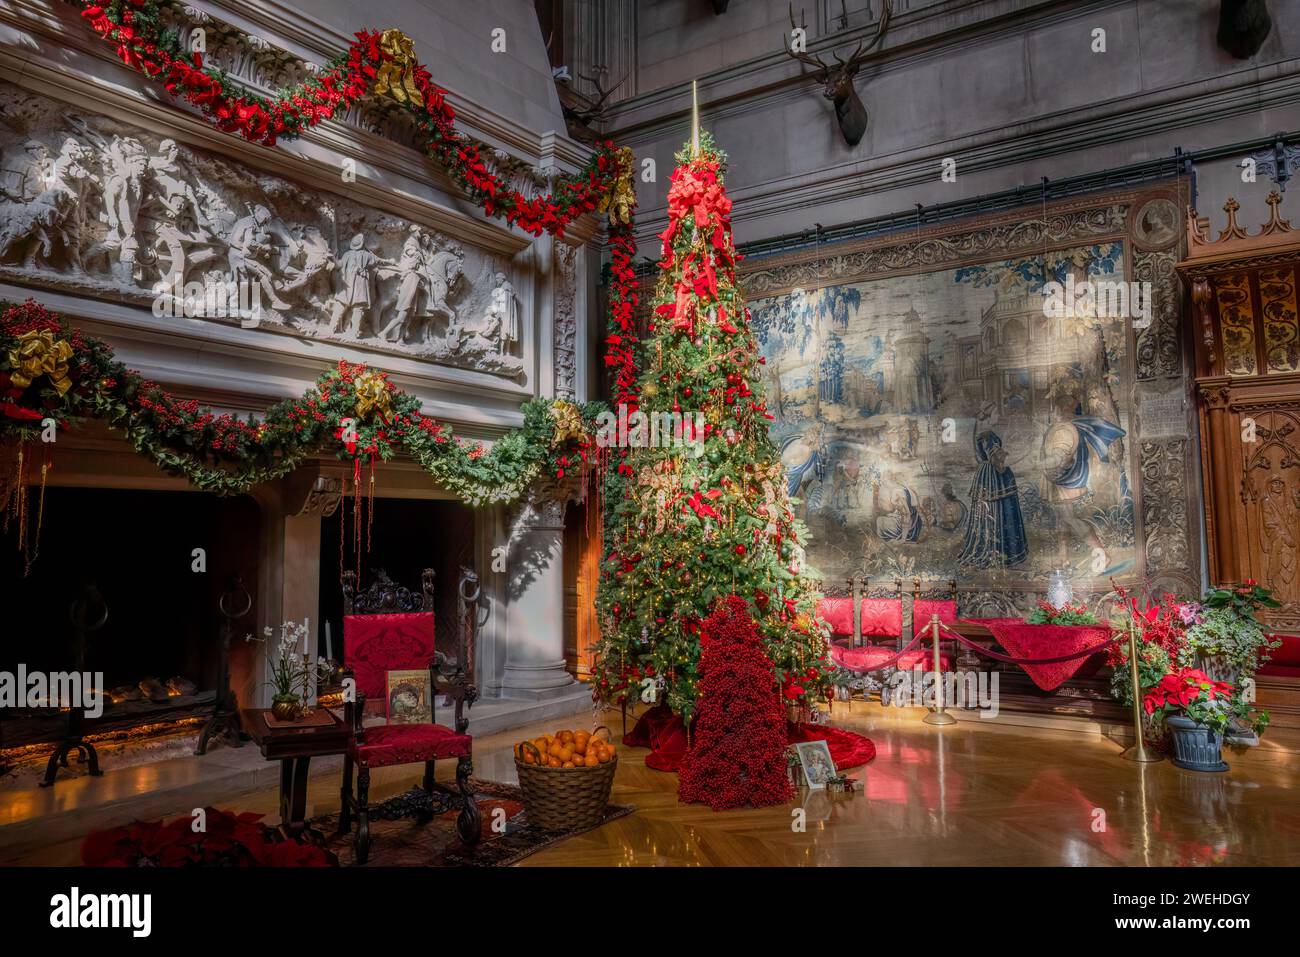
(1236, 640)
(1048, 614)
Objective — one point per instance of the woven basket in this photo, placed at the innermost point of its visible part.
(566, 799)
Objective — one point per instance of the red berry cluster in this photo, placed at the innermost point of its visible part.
(737, 757)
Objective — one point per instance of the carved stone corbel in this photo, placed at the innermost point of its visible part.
(310, 493)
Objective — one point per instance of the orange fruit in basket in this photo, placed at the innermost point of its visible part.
(567, 764)
(552, 762)
(592, 760)
(528, 758)
(566, 736)
(566, 754)
(556, 748)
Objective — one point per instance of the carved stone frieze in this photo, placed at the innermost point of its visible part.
(566, 320)
(94, 207)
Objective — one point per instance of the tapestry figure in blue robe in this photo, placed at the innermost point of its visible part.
(995, 532)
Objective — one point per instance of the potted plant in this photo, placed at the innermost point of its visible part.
(1196, 708)
(292, 669)
(1161, 631)
(1224, 638)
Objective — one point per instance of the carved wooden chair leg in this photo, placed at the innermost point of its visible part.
(363, 815)
(467, 822)
(345, 797)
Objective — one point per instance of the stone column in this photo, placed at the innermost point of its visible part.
(535, 603)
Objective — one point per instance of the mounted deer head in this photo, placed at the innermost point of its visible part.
(580, 112)
(1243, 27)
(838, 80)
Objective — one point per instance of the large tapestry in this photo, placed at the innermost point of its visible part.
(961, 405)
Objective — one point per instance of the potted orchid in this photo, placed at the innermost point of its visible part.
(1197, 710)
(292, 669)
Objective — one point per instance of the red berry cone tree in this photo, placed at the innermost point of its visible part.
(738, 755)
(706, 512)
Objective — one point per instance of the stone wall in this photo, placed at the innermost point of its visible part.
(1008, 89)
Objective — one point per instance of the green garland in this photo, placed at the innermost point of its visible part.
(52, 373)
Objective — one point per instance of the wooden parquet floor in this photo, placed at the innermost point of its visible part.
(975, 793)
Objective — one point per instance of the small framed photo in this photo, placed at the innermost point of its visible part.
(410, 699)
(815, 759)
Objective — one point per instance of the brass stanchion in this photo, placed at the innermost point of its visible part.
(1139, 751)
(938, 716)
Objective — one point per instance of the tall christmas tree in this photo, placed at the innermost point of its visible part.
(706, 514)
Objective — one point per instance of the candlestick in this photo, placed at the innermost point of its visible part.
(329, 643)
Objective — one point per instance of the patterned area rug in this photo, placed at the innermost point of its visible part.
(401, 836)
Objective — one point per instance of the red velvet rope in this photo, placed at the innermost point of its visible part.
(974, 646)
(888, 661)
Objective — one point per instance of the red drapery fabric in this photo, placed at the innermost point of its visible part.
(1022, 640)
(664, 734)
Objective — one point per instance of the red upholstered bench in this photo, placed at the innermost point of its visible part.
(872, 657)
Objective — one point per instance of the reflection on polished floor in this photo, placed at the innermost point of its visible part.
(976, 793)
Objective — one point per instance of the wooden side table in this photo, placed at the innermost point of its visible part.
(294, 747)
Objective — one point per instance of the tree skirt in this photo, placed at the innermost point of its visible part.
(401, 838)
(664, 734)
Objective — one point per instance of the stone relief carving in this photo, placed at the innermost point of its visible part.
(97, 208)
(566, 320)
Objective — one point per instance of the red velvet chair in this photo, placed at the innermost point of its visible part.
(879, 619)
(389, 628)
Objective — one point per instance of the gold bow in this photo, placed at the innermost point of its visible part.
(396, 76)
(618, 202)
(38, 353)
(568, 422)
(372, 396)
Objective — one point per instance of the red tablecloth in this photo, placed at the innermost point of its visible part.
(1046, 641)
(664, 734)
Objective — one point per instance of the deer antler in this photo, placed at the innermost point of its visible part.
(850, 66)
(802, 57)
(598, 106)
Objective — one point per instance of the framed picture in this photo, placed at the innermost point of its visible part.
(410, 698)
(815, 759)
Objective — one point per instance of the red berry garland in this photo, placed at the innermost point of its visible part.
(737, 757)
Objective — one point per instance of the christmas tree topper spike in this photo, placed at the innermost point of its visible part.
(695, 121)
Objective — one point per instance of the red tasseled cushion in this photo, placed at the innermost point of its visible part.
(389, 744)
(881, 617)
(922, 610)
(838, 613)
(1283, 662)
(925, 659)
